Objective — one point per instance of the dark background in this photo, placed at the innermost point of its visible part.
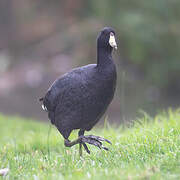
(42, 39)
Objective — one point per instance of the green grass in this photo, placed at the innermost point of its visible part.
(149, 149)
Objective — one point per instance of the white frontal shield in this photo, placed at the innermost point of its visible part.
(112, 41)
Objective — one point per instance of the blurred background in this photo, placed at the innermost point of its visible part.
(42, 39)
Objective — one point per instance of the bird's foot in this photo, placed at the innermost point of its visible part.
(94, 140)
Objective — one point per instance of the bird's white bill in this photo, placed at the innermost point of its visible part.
(112, 41)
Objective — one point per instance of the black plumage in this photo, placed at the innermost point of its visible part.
(79, 98)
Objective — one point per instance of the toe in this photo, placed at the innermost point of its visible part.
(98, 138)
(94, 142)
(86, 148)
(105, 148)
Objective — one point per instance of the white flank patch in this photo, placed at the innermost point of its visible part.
(44, 107)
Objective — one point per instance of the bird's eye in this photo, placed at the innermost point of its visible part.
(103, 32)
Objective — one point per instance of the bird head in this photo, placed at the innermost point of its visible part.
(106, 39)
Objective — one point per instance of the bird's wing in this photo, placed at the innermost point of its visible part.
(52, 95)
(57, 90)
(62, 84)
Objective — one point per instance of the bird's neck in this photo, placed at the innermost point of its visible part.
(104, 57)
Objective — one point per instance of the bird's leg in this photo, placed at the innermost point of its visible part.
(80, 149)
(79, 141)
(90, 139)
(80, 133)
(69, 143)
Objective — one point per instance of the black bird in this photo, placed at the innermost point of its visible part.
(79, 98)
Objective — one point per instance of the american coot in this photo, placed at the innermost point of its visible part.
(79, 98)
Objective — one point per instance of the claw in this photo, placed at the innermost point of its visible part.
(94, 140)
(86, 148)
(89, 140)
(105, 148)
(99, 138)
(97, 144)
